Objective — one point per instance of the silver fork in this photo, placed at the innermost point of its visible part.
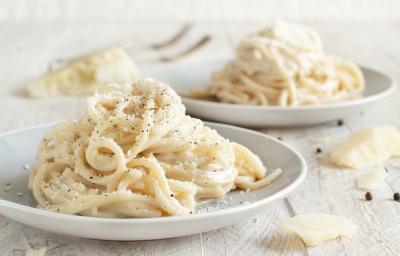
(129, 44)
(151, 52)
(199, 44)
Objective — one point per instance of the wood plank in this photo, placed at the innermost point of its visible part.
(257, 236)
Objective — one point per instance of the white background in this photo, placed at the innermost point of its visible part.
(197, 10)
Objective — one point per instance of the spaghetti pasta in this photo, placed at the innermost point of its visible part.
(136, 154)
(284, 65)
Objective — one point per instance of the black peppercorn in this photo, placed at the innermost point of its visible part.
(368, 196)
(396, 196)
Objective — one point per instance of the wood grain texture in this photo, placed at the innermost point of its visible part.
(27, 48)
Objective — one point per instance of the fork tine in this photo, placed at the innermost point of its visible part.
(150, 53)
(174, 39)
(199, 44)
(129, 45)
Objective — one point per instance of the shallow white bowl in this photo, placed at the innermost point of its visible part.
(19, 147)
(186, 76)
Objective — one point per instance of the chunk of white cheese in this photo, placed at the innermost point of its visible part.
(85, 75)
(36, 252)
(315, 229)
(373, 179)
(367, 147)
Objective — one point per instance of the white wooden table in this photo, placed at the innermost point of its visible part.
(27, 48)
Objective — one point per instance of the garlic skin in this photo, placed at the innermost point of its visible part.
(315, 229)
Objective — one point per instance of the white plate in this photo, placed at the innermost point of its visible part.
(186, 76)
(18, 148)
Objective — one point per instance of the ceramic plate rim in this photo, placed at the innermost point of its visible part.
(368, 99)
(264, 201)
